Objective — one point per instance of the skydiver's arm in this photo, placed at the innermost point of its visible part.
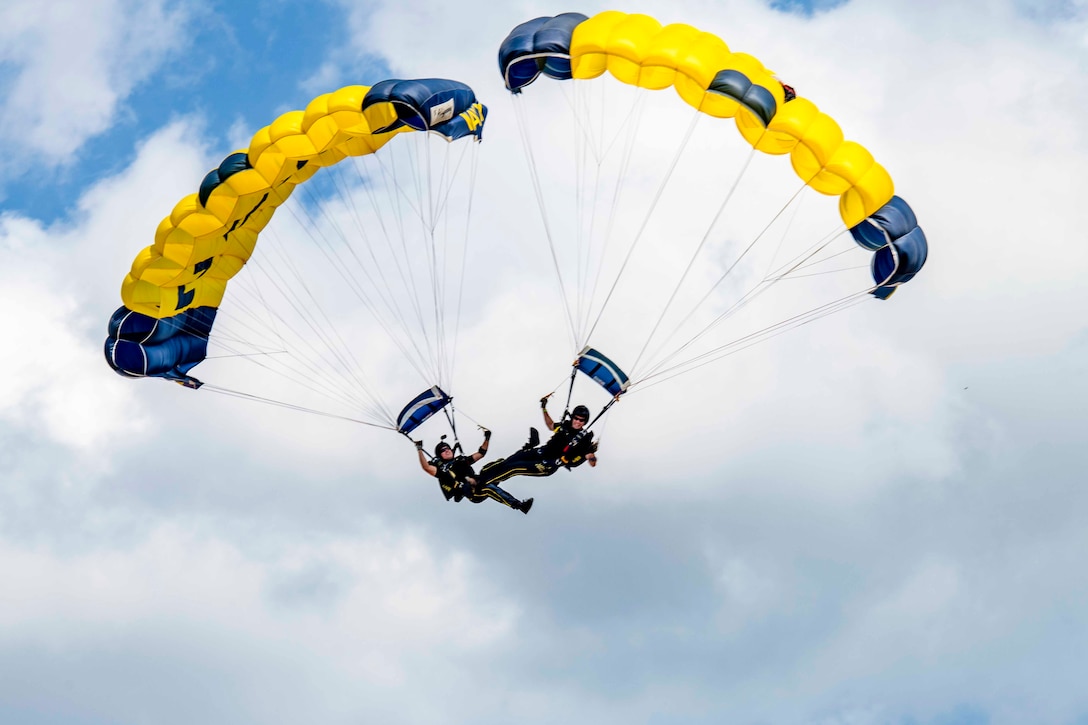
(425, 464)
(547, 417)
(591, 451)
(483, 447)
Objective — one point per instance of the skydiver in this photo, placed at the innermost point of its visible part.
(458, 480)
(570, 446)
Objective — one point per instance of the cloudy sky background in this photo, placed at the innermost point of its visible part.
(877, 519)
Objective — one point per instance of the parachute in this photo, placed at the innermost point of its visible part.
(420, 408)
(176, 287)
(701, 246)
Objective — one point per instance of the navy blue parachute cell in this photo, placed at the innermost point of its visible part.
(142, 346)
(898, 242)
(539, 46)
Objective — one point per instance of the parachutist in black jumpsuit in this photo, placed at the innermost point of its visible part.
(571, 445)
(458, 480)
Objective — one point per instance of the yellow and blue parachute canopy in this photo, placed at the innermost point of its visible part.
(639, 51)
(176, 284)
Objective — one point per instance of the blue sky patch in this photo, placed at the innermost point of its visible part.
(241, 64)
(808, 8)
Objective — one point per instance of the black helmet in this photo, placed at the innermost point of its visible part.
(580, 411)
(439, 448)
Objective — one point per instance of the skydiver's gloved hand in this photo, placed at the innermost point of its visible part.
(487, 434)
(544, 401)
(419, 445)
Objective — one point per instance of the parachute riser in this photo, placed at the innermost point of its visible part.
(451, 417)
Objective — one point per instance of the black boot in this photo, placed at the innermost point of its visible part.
(534, 440)
(525, 505)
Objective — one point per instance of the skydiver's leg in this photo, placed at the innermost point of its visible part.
(503, 466)
(495, 493)
(523, 463)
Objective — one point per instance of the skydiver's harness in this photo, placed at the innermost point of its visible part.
(571, 458)
(452, 477)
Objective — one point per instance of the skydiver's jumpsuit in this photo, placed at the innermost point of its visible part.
(567, 448)
(454, 476)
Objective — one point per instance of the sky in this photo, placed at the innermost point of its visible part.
(876, 519)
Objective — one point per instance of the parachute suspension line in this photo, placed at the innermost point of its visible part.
(582, 114)
(820, 274)
(317, 385)
(403, 260)
(389, 177)
(448, 183)
(449, 277)
(785, 233)
(316, 318)
(352, 283)
(473, 420)
(604, 424)
(603, 411)
(451, 418)
(646, 219)
(754, 338)
(247, 354)
(360, 290)
(617, 193)
(288, 291)
(580, 166)
(435, 345)
(357, 164)
(695, 255)
(258, 333)
(801, 260)
(635, 112)
(416, 205)
(379, 282)
(452, 277)
(570, 391)
(752, 294)
(702, 300)
(534, 173)
(423, 187)
(280, 404)
(315, 380)
(308, 377)
(557, 386)
(474, 167)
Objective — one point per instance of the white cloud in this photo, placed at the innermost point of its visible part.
(203, 600)
(60, 284)
(871, 519)
(74, 64)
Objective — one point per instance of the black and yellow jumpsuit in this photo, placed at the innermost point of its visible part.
(455, 477)
(566, 448)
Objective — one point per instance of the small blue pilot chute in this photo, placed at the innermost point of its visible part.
(602, 370)
(421, 407)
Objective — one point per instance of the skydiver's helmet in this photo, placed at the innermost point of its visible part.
(443, 446)
(580, 411)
